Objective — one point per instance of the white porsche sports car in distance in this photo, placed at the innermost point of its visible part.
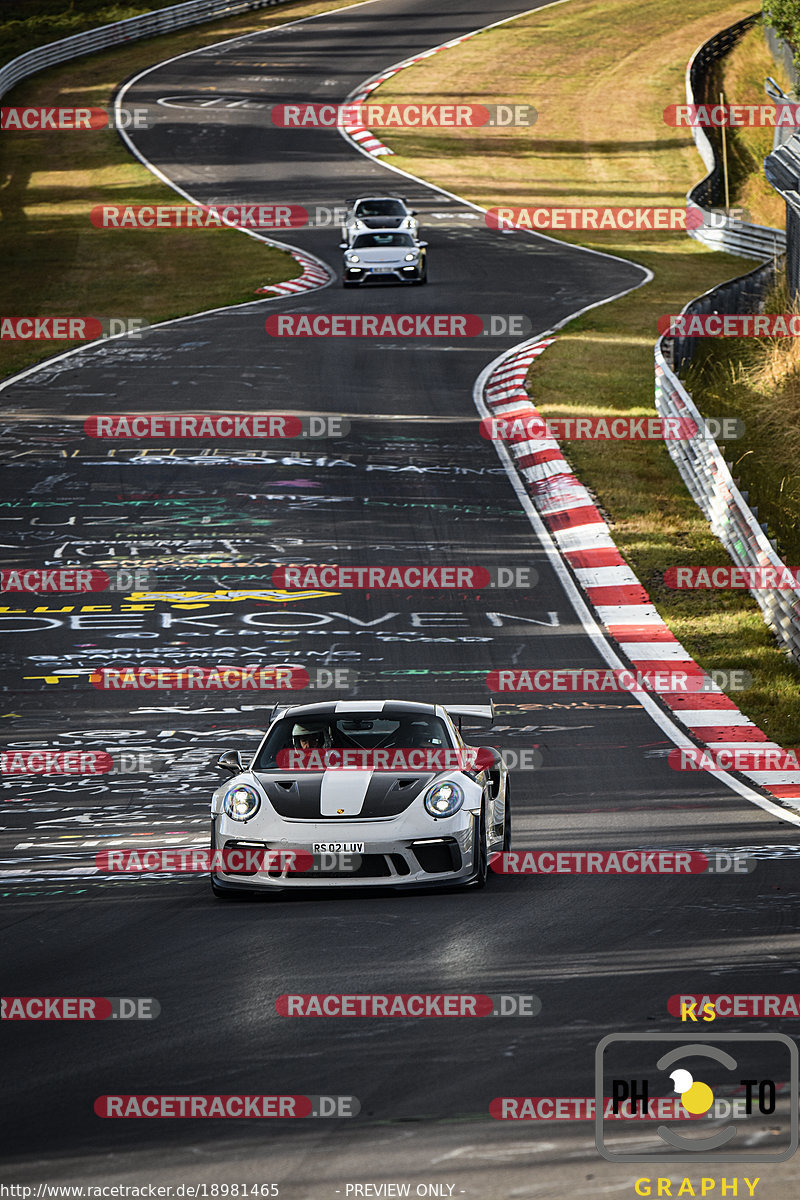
(360, 794)
(384, 254)
(379, 212)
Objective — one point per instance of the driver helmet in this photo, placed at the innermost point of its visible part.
(307, 734)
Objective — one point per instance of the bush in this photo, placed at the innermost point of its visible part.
(784, 17)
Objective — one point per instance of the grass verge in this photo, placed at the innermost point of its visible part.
(56, 263)
(600, 82)
(741, 74)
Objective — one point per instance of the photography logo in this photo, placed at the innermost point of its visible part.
(723, 1098)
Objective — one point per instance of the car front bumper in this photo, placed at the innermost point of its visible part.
(429, 859)
(399, 272)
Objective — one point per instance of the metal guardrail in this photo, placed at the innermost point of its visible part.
(712, 487)
(699, 460)
(782, 168)
(105, 37)
(718, 231)
(744, 294)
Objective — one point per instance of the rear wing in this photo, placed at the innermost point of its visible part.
(471, 712)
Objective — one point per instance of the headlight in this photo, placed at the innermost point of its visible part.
(444, 800)
(410, 257)
(353, 258)
(240, 802)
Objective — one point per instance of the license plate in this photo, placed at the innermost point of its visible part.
(338, 847)
(380, 270)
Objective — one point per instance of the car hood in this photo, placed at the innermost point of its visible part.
(382, 222)
(377, 255)
(339, 795)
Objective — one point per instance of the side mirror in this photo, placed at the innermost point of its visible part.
(423, 244)
(342, 245)
(230, 760)
(414, 212)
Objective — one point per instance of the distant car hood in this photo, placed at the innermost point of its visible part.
(381, 222)
(339, 795)
(377, 256)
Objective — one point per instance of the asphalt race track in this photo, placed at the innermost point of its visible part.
(411, 481)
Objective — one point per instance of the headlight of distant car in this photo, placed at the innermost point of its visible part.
(410, 257)
(353, 258)
(240, 802)
(444, 800)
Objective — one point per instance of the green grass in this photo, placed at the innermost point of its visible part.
(600, 139)
(42, 21)
(56, 263)
(741, 75)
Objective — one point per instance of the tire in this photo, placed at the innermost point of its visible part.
(507, 820)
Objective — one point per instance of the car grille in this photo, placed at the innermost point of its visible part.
(437, 856)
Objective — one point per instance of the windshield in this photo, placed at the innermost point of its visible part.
(366, 240)
(364, 731)
(380, 208)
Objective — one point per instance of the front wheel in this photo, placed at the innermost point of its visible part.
(507, 820)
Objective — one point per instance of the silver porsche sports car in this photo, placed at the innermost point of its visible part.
(384, 254)
(360, 794)
(378, 212)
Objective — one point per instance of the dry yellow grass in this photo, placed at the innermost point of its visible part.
(600, 75)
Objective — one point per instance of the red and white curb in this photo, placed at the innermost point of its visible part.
(315, 274)
(619, 601)
(358, 133)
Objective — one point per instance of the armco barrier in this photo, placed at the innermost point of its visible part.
(699, 460)
(725, 233)
(744, 294)
(782, 168)
(711, 485)
(105, 37)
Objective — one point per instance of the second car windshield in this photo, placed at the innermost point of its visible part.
(380, 208)
(366, 240)
(366, 731)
